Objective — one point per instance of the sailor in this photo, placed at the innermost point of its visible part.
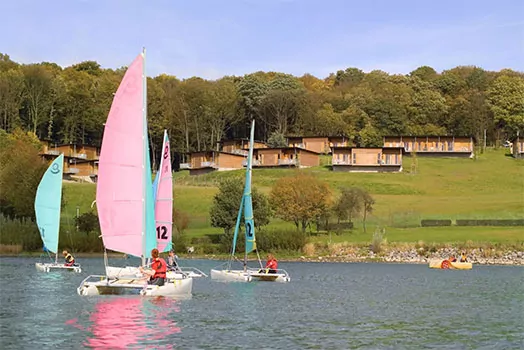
(69, 259)
(463, 258)
(271, 264)
(159, 267)
(172, 264)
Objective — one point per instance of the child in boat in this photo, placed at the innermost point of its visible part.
(463, 258)
(452, 259)
(159, 268)
(172, 264)
(271, 264)
(69, 259)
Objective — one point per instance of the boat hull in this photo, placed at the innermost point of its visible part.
(133, 271)
(48, 267)
(110, 286)
(249, 276)
(448, 265)
(230, 275)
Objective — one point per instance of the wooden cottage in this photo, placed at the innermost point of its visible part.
(207, 161)
(376, 159)
(433, 146)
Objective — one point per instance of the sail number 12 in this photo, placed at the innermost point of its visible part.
(161, 232)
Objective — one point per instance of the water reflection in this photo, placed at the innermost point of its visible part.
(131, 322)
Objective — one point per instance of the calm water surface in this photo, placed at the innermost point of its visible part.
(326, 306)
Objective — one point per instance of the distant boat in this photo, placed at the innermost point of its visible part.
(48, 201)
(163, 198)
(449, 265)
(124, 194)
(224, 272)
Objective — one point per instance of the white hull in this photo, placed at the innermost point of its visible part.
(103, 286)
(48, 267)
(249, 276)
(133, 271)
(230, 275)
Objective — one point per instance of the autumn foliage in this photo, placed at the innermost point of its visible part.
(300, 199)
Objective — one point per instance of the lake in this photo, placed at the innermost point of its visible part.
(325, 306)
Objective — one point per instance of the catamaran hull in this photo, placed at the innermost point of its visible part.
(271, 277)
(230, 276)
(448, 265)
(173, 288)
(48, 267)
(133, 271)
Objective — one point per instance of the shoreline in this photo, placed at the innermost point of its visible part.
(510, 259)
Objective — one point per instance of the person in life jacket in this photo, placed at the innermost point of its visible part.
(452, 259)
(159, 268)
(69, 259)
(463, 258)
(172, 264)
(271, 264)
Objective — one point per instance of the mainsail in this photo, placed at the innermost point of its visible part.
(47, 204)
(124, 196)
(163, 194)
(246, 204)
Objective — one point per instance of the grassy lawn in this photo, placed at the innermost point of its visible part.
(489, 187)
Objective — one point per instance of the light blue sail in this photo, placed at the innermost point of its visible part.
(248, 201)
(150, 241)
(47, 204)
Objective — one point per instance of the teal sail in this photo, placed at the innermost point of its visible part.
(248, 202)
(47, 204)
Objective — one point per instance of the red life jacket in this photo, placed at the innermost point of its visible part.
(160, 267)
(272, 264)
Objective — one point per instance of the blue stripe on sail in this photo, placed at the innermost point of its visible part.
(47, 204)
(150, 207)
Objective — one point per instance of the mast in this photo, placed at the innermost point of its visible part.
(144, 140)
(248, 208)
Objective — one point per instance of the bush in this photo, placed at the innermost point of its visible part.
(273, 240)
(508, 222)
(432, 223)
(378, 240)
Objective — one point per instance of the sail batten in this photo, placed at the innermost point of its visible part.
(48, 202)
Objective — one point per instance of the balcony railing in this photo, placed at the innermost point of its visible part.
(52, 152)
(80, 155)
(72, 171)
(240, 151)
(287, 161)
(254, 162)
(184, 166)
(207, 164)
(341, 161)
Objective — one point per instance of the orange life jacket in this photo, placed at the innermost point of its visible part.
(160, 267)
(272, 264)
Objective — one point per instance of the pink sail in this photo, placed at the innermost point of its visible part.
(164, 199)
(121, 186)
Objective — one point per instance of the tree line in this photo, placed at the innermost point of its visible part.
(70, 105)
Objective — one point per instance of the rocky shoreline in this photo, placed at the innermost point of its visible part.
(412, 256)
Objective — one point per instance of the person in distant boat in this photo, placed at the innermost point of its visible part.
(452, 259)
(172, 264)
(69, 259)
(463, 258)
(157, 276)
(271, 264)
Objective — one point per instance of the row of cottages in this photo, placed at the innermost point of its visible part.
(318, 144)
(264, 157)
(434, 146)
(373, 159)
(79, 160)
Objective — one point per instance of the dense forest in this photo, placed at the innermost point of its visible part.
(70, 105)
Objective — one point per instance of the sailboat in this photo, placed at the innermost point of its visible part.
(47, 209)
(124, 195)
(247, 274)
(163, 199)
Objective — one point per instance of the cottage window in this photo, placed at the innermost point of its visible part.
(354, 158)
(379, 158)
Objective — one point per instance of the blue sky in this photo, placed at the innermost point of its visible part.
(212, 38)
